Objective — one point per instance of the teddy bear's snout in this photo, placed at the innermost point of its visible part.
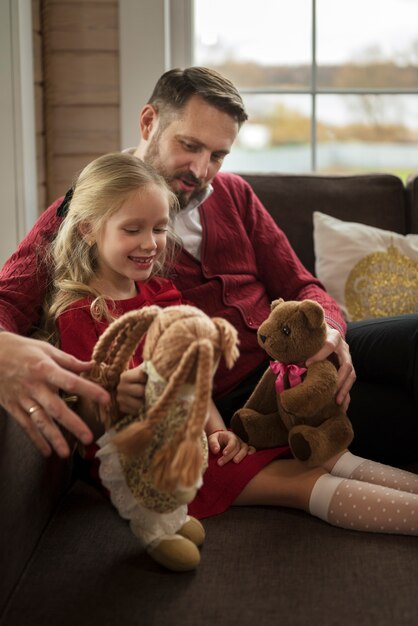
(263, 338)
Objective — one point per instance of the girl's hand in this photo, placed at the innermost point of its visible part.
(131, 390)
(233, 448)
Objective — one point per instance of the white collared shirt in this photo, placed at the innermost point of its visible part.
(187, 224)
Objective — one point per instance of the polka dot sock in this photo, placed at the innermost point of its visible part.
(351, 466)
(363, 506)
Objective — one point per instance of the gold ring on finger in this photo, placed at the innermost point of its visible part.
(34, 408)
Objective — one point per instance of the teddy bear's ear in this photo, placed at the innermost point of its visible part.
(313, 312)
(276, 303)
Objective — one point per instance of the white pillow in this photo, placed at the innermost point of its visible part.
(370, 272)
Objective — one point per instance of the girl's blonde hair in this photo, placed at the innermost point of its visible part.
(99, 191)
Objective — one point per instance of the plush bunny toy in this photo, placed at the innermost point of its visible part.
(152, 463)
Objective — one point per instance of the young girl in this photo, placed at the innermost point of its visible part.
(108, 253)
(108, 257)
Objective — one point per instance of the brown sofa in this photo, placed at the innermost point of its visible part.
(67, 558)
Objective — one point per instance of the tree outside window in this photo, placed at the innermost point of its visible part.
(328, 87)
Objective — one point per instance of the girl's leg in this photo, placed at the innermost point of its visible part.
(363, 506)
(285, 482)
(350, 466)
(347, 503)
(365, 495)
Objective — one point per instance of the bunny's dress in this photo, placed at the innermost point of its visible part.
(152, 513)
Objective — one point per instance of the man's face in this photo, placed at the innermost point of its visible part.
(189, 151)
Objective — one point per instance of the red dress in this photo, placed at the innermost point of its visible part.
(78, 335)
(79, 332)
(222, 485)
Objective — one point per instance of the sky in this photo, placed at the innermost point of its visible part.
(279, 30)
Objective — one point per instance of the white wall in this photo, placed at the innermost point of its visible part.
(154, 36)
(17, 125)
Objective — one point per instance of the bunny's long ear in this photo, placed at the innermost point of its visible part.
(113, 350)
(179, 462)
(118, 342)
(228, 340)
(133, 439)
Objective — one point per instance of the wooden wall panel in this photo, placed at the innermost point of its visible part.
(39, 113)
(81, 86)
(78, 2)
(76, 129)
(87, 78)
(63, 165)
(39, 104)
(92, 27)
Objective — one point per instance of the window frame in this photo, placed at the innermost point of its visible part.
(17, 125)
(171, 23)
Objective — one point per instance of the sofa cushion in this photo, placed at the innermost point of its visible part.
(262, 565)
(369, 271)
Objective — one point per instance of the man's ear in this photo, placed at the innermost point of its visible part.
(147, 120)
(85, 230)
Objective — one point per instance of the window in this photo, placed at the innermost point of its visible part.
(329, 86)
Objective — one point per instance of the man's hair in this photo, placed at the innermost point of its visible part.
(175, 87)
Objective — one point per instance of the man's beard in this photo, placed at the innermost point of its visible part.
(152, 157)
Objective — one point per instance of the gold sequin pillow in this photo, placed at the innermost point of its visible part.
(370, 272)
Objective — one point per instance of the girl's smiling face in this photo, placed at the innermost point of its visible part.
(131, 240)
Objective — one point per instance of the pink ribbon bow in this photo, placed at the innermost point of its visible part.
(294, 374)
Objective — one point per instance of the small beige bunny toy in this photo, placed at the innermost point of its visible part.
(152, 463)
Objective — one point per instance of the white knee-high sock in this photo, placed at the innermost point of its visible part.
(363, 506)
(351, 466)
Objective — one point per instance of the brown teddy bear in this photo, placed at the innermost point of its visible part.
(152, 463)
(293, 404)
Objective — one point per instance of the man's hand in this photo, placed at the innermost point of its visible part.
(335, 344)
(31, 374)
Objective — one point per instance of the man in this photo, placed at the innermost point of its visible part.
(246, 261)
(234, 261)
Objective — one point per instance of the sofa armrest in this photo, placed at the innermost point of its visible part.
(30, 487)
